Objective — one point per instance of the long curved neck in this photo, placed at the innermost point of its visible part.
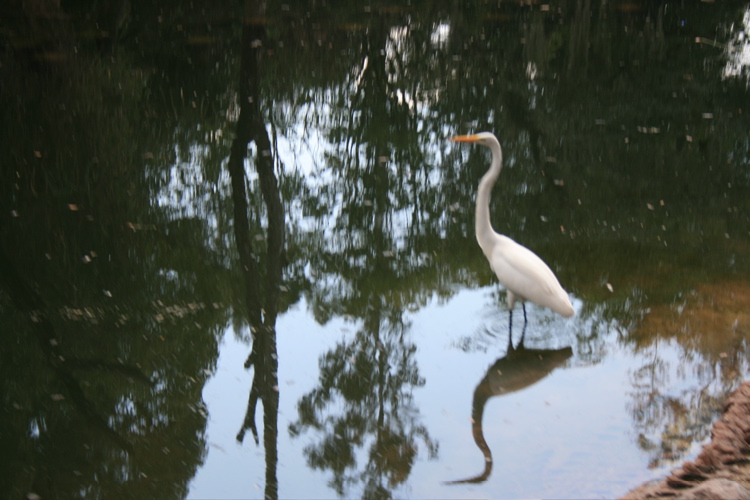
(483, 226)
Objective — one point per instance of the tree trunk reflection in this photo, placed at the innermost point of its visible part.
(261, 316)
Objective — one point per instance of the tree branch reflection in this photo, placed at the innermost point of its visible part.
(29, 301)
(362, 409)
(364, 400)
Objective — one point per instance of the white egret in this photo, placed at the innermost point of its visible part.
(524, 275)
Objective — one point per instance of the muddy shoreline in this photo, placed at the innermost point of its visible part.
(722, 469)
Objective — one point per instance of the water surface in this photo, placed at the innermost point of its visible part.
(238, 257)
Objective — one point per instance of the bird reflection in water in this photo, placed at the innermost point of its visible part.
(526, 277)
(517, 370)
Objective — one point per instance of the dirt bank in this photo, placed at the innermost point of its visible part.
(722, 470)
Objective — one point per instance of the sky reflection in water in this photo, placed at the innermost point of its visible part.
(569, 435)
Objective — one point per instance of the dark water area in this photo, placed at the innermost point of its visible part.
(237, 250)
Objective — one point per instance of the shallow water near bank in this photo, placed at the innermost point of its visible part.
(569, 435)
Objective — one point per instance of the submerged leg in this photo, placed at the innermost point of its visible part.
(511, 301)
(523, 333)
(523, 330)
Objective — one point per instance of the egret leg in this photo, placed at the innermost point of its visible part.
(510, 330)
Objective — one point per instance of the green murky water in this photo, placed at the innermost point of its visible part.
(238, 258)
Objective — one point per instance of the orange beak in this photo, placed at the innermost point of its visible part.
(464, 138)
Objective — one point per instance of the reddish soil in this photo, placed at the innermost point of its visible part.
(722, 470)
